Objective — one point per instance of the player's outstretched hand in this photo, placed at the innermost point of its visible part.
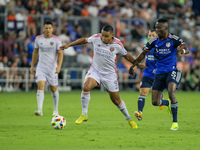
(131, 70)
(32, 71)
(141, 66)
(58, 70)
(63, 47)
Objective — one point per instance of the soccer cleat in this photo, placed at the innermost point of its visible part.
(81, 119)
(161, 107)
(138, 115)
(169, 107)
(174, 126)
(38, 113)
(55, 113)
(132, 124)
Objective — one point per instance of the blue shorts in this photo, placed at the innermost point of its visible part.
(162, 80)
(146, 82)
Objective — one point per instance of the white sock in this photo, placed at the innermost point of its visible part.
(55, 97)
(85, 99)
(40, 99)
(123, 109)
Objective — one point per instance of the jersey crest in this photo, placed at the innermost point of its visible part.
(112, 49)
(168, 44)
(51, 43)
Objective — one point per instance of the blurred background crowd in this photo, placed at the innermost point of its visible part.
(22, 20)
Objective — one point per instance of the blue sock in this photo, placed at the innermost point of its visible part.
(163, 102)
(141, 102)
(174, 108)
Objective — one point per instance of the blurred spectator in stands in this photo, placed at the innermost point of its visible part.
(18, 6)
(84, 58)
(162, 7)
(63, 36)
(16, 74)
(6, 47)
(42, 9)
(57, 10)
(67, 9)
(4, 63)
(106, 10)
(31, 24)
(3, 4)
(30, 48)
(93, 9)
(102, 3)
(76, 34)
(171, 7)
(145, 12)
(25, 64)
(77, 7)
(126, 10)
(137, 31)
(192, 54)
(11, 16)
(188, 13)
(21, 20)
(21, 42)
(186, 34)
(84, 11)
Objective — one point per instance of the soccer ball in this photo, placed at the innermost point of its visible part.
(58, 122)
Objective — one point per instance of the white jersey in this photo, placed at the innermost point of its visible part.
(105, 55)
(48, 48)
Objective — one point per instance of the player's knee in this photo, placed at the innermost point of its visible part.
(53, 88)
(155, 103)
(86, 88)
(144, 93)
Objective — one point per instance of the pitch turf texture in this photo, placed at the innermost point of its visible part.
(106, 127)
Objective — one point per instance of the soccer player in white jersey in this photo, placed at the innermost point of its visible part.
(103, 70)
(47, 46)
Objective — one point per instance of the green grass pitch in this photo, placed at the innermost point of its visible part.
(106, 127)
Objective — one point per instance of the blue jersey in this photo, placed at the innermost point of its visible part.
(150, 63)
(164, 52)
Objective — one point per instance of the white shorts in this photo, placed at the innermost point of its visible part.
(51, 79)
(109, 82)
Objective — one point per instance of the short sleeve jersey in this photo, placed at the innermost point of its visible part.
(165, 52)
(151, 65)
(48, 48)
(105, 55)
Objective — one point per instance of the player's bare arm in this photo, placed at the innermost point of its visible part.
(183, 49)
(130, 58)
(80, 41)
(60, 60)
(138, 59)
(34, 60)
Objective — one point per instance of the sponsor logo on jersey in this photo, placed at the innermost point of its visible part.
(51, 43)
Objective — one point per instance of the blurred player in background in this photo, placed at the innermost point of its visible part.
(147, 78)
(47, 46)
(166, 73)
(103, 70)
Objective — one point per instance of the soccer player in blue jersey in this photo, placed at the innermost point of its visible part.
(166, 73)
(147, 78)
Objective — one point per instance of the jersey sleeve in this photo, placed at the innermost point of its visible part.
(91, 39)
(59, 43)
(148, 46)
(122, 51)
(178, 42)
(36, 43)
